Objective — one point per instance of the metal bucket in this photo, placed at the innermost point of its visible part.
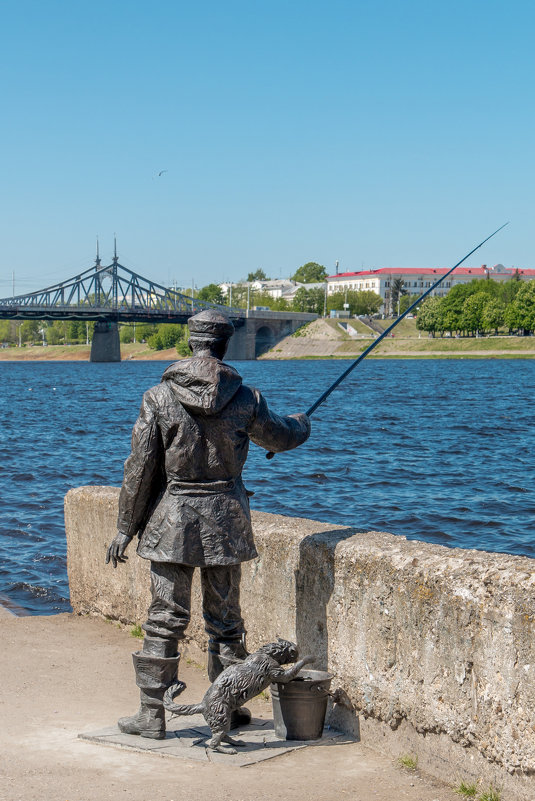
(299, 707)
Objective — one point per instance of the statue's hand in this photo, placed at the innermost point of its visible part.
(304, 420)
(118, 546)
(308, 659)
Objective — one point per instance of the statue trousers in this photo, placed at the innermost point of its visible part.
(169, 612)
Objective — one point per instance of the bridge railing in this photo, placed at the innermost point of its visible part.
(102, 291)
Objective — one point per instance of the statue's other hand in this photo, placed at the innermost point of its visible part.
(304, 420)
(118, 546)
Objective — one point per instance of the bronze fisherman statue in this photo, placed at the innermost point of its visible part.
(182, 493)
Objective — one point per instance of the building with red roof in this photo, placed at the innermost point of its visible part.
(417, 280)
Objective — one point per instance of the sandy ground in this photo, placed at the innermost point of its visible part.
(62, 675)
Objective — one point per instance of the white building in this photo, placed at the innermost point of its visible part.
(276, 288)
(416, 281)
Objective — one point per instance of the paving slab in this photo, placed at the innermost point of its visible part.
(259, 738)
(63, 675)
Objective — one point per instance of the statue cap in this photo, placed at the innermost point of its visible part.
(210, 324)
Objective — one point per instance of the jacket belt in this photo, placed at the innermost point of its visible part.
(175, 487)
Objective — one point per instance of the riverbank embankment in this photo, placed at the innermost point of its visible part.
(329, 339)
(321, 339)
(434, 646)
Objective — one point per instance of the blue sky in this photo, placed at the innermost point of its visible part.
(379, 134)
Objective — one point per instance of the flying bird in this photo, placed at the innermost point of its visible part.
(162, 172)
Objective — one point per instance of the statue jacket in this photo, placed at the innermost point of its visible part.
(182, 491)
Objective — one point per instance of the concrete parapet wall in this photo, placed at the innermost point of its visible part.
(435, 646)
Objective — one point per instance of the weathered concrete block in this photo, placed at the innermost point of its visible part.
(435, 646)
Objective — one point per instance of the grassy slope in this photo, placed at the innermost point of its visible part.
(359, 327)
(82, 352)
(407, 342)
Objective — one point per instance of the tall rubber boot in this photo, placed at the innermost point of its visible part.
(223, 654)
(220, 656)
(154, 675)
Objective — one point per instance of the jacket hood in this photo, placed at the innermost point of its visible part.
(204, 385)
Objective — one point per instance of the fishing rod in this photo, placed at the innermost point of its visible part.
(386, 332)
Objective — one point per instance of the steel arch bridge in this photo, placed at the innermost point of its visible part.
(109, 294)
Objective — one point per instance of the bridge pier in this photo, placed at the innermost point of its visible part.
(105, 346)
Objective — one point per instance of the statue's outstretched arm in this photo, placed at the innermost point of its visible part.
(274, 432)
(284, 676)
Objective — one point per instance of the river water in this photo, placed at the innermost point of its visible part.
(439, 451)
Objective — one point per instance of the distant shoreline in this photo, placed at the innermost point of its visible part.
(320, 339)
(404, 349)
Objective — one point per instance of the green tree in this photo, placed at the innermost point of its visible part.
(451, 308)
(397, 289)
(155, 342)
(126, 333)
(360, 302)
(258, 275)
(212, 293)
(54, 332)
(429, 316)
(167, 336)
(171, 333)
(405, 301)
(310, 273)
(241, 295)
(520, 313)
(486, 285)
(144, 331)
(8, 331)
(367, 301)
(493, 314)
(30, 331)
(473, 309)
(309, 300)
(265, 299)
(512, 317)
(509, 290)
(76, 331)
